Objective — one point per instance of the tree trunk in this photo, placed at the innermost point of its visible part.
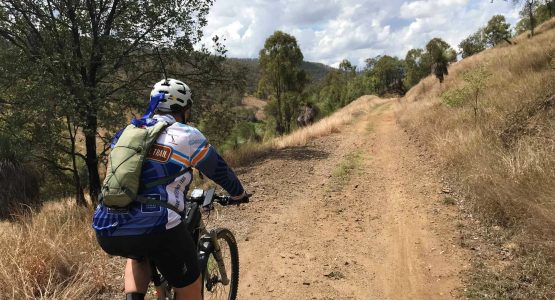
(279, 120)
(531, 16)
(287, 121)
(79, 194)
(92, 158)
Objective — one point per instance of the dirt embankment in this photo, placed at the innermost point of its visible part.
(354, 215)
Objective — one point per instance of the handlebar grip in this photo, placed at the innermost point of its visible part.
(227, 200)
(245, 199)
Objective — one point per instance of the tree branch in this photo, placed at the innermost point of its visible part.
(130, 49)
(77, 43)
(54, 163)
(126, 84)
(27, 18)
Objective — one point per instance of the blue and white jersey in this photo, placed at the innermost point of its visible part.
(178, 147)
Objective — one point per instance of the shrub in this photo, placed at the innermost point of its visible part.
(20, 182)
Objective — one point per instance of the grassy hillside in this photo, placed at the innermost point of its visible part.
(492, 123)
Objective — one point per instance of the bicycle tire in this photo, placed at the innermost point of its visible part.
(230, 255)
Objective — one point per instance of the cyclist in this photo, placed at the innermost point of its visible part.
(143, 232)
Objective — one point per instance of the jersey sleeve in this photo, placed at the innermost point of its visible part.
(210, 163)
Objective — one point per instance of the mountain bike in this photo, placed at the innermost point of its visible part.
(217, 250)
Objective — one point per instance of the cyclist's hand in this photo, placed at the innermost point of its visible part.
(243, 198)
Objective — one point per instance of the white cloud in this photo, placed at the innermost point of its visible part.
(331, 30)
(429, 8)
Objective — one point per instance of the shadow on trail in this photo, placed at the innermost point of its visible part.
(290, 154)
(298, 154)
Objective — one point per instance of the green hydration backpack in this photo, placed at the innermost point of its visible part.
(122, 183)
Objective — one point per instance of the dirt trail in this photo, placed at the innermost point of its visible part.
(378, 231)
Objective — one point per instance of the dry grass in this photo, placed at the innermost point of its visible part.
(247, 153)
(505, 159)
(330, 124)
(252, 151)
(54, 255)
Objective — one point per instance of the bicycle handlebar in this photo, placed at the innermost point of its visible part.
(206, 198)
(227, 200)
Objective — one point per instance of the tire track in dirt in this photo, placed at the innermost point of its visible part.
(376, 233)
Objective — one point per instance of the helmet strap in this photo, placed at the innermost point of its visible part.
(183, 117)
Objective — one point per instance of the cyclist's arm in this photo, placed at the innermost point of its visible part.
(211, 164)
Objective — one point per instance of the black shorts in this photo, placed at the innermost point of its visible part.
(173, 251)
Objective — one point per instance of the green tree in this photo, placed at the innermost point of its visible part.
(96, 57)
(528, 12)
(550, 7)
(346, 66)
(497, 30)
(473, 44)
(417, 66)
(280, 62)
(331, 93)
(39, 115)
(540, 14)
(389, 73)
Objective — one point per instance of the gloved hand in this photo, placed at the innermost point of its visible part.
(243, 198)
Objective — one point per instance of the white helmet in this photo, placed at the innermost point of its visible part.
(178, 95)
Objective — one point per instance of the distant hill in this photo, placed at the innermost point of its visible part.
(316, 71)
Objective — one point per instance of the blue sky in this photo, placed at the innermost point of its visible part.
(331, 30)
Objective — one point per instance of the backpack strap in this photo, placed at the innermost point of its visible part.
(165, 180)
(160, 181)
(147, 200)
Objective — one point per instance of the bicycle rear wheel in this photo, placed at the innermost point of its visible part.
(214, 288)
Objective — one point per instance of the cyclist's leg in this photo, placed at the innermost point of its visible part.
(137, 276)
(177, 260)
(190, 292)
(137, 271)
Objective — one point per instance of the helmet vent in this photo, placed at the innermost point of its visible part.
(178, 95)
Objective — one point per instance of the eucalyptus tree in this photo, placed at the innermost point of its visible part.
(528, 11)
(280, 62)
(473, 44)
(347, 67)
(497, 30)
(417, 66)
(388, 73)
(91, 59)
